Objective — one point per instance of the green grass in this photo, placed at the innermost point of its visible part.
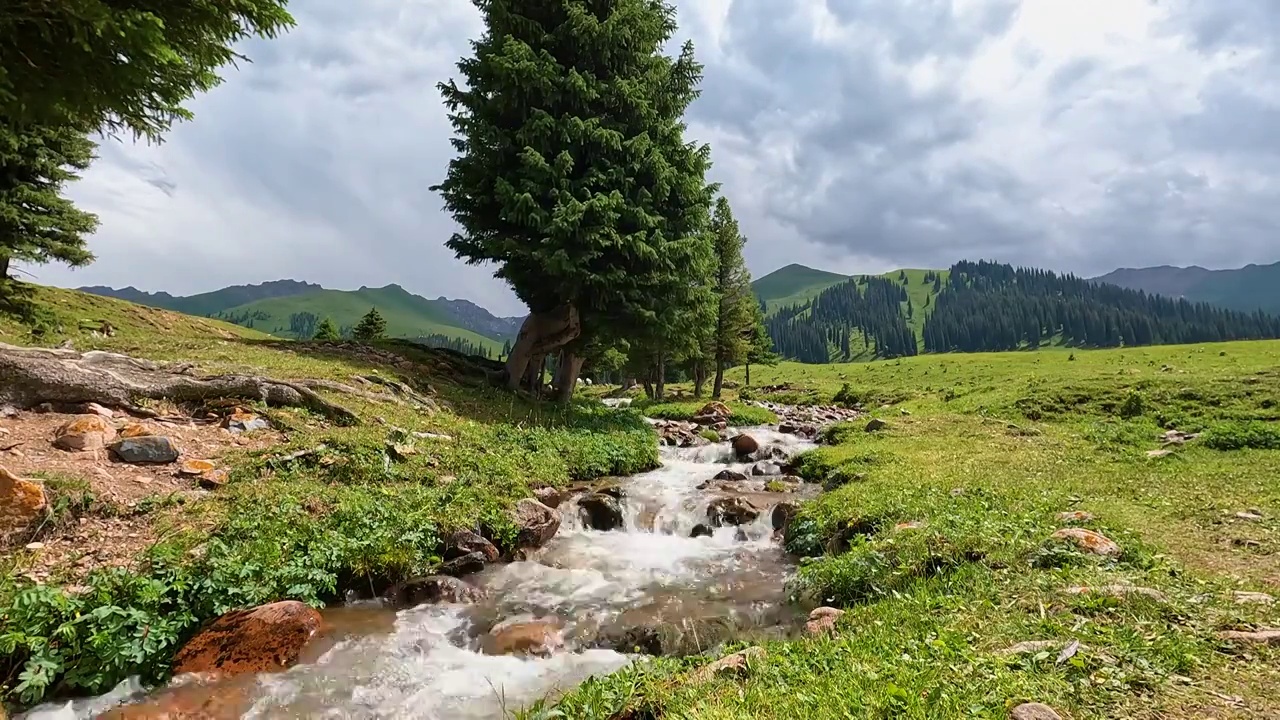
(994, 447)
(349, 516)
(742, 414)
(781, 286)
(407, 315)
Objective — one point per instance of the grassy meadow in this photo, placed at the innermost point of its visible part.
(935, 538)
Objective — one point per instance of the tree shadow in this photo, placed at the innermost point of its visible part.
(470, 384)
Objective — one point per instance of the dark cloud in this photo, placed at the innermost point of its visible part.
(856, 135)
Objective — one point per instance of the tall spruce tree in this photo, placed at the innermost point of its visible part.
(760, 344)
(371, 327)
(573, 174)
(736, 312)
(37, 224)
(326, 330)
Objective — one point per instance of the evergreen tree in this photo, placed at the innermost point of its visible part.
(326, 330)
(506, 350)
(120, 64)
(736, 314)
(37, 224)
(760, 345)
(573, 174)
(371, 327)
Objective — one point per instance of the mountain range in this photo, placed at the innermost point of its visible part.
(289, 308)
(292, 308)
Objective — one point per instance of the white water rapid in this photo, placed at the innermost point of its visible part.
(427, 662)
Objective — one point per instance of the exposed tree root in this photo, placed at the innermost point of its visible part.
(31, 376)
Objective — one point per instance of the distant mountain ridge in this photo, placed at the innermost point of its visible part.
(285, 308)
(1252, 287)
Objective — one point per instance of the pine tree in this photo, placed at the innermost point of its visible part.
(121, 64)
(736, 305)
(371, 327)
(37, 224)
(573, 174)
(326, 330)
(760, 349)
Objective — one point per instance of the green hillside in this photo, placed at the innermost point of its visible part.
(793, 284)
(407, 315)
(1249, 288)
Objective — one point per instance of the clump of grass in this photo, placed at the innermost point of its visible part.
(1242, 435)
(742, 414)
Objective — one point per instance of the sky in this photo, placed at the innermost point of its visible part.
(850, 135)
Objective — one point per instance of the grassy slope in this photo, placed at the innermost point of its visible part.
(407, 315)
(793, 284)
(347, 517)
(994, 447)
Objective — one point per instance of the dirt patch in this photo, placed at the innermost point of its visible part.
(104, 510)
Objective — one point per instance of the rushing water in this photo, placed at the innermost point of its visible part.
(429, 661)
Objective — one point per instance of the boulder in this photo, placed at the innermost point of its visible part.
(150, 449)
(876, 425)
(268, 638)
(465, 542)
(433, 589)
(1034, 711)
(467, 564)
(730, 476)
(84, 432)
(763, 469)
(601, 512)
(782, 514)
(715, 407)
(22, 504)
(738, 663)
(241, 422)
(822, 620)
(707, 420)
(1088, 541)
(539, 637)
(744, 445)
(731, 511)
(549, 496)
(788, 428)
(536, 523)
(702, 530)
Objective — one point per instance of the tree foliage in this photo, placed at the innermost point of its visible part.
(372, 326)
(736, 308)
(120, 64)
(37, 224)
(326, 330)
(572, 173)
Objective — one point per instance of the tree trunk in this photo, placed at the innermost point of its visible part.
(533, 376)
(567, 375)
(540, 334)
(718, 387)
(699, 378)
(648, 389)
(4, 268)
(660, 383)
(748, 383)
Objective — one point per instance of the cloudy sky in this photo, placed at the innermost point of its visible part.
(851, 135)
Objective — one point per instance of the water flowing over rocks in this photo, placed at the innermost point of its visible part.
(576, 601)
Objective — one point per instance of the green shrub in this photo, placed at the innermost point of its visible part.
(741, 414)
(1132, 406)
(709, 435)
(841, 433)
(1241, 435)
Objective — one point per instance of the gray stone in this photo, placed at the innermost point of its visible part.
(1034, 711)
(601, 512)
(156, 449)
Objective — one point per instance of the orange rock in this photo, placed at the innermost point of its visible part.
(22, 503)
(912, 525)
(737, 663)
(1088, 541)
(133, 430)
(195, 467)
(220, 700)
(268, 638)
(823, 620)
(84, 432)
(1077, 516)
(526, 637)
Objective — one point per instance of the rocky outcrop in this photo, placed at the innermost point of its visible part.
(782, 514)
(1088, 541)
(268, 638)
(677, 433)
(601, 512)
(433, 589)
(744, 445)
(465, 542)
(536, 523)
(540, 637)
(731, 511)
(86, 432)
(147, 449)
(468, 564)
(876, 425)
(22, 504)
(823, 620)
